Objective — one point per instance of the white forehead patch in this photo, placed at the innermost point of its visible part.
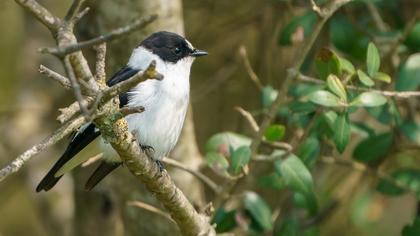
(189, 44)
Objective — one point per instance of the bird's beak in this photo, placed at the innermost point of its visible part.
(198, 53)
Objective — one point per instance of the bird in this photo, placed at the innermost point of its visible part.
(165, 105)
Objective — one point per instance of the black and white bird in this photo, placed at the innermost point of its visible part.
(165, 103)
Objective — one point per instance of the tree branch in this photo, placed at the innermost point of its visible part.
(42, 14)
(115, 34)
(55, 76)
(396, 94)
(58, 135)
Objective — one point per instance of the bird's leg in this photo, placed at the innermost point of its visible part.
(149, 150)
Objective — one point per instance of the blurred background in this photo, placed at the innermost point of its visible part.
(271, 34)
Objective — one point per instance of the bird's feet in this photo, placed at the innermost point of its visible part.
(160, 165)
(149, 150)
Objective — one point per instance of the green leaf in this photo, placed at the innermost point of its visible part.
(224, 220)
(413, 229)
(412, 40)
(217, 162)
(259, 210)
(299, 179)
(374, 148)
(272, 180)
(369, 99)
(222, 141)
(408, 178)
(325, 98)
(347, 66)
(303, 22)
(274, 132)
(408, 78)
(327, 63)
(269, 94)
(411, 130)
(342, 131)
(365, 79)
(309, 150)
(239, 159)
(373, 59)
(382, 77)
(335, 85)
(289, 227)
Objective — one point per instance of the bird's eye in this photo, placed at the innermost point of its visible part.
(177, 50)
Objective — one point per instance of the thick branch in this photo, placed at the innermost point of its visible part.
(115, 34)
(42, 14)
(58, 135)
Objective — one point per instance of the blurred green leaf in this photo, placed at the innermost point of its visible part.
(408, 78)
(374, 148)
(365, 79)
(309, 150)
(369, 99)
(269, 94)
(217, 162)
(224, 220)
(382, 77)
(259, 210)
(342, 131)
(305, 22)
(347, 66)
(289, 227)
(413, 229)
(239, 159)
(274, 132)
(373, 59)
(325, 98)
(412, 40)
(299, 179)
(411, 130)
(327, 63)
(272, 180)
(222, 141)
(409, 178)
(335, 85)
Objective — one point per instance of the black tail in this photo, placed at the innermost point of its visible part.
(80, 141)
(103, 170)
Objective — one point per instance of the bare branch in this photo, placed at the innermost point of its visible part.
(151, 209)
(58, 135)
(316, 8)
(131, 110)
(73, 12)
(248, 67)
(42, 14)
(396, 94)
(248, 116)
(55, 76)
(115, 34)
(80, 15)
(69, 112)
(206, 180)
(76, 87)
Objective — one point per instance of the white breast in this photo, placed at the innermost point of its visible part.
(165, 103)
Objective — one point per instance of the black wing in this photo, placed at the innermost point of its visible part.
(81, 140)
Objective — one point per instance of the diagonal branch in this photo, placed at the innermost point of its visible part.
(58, 135)
(42, 14)
(55, 76)
(115, 34)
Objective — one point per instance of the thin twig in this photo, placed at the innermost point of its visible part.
(316, 8)
(81, 14)
(92, 160)
(115, 34)
(396, 94)
(151, 208)
(76, 87)
(377, 19)
(55, 76)
(58, 135)
(248, 116)
(131, 110)
(248, 67)
(206, 180)
(73, 11)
